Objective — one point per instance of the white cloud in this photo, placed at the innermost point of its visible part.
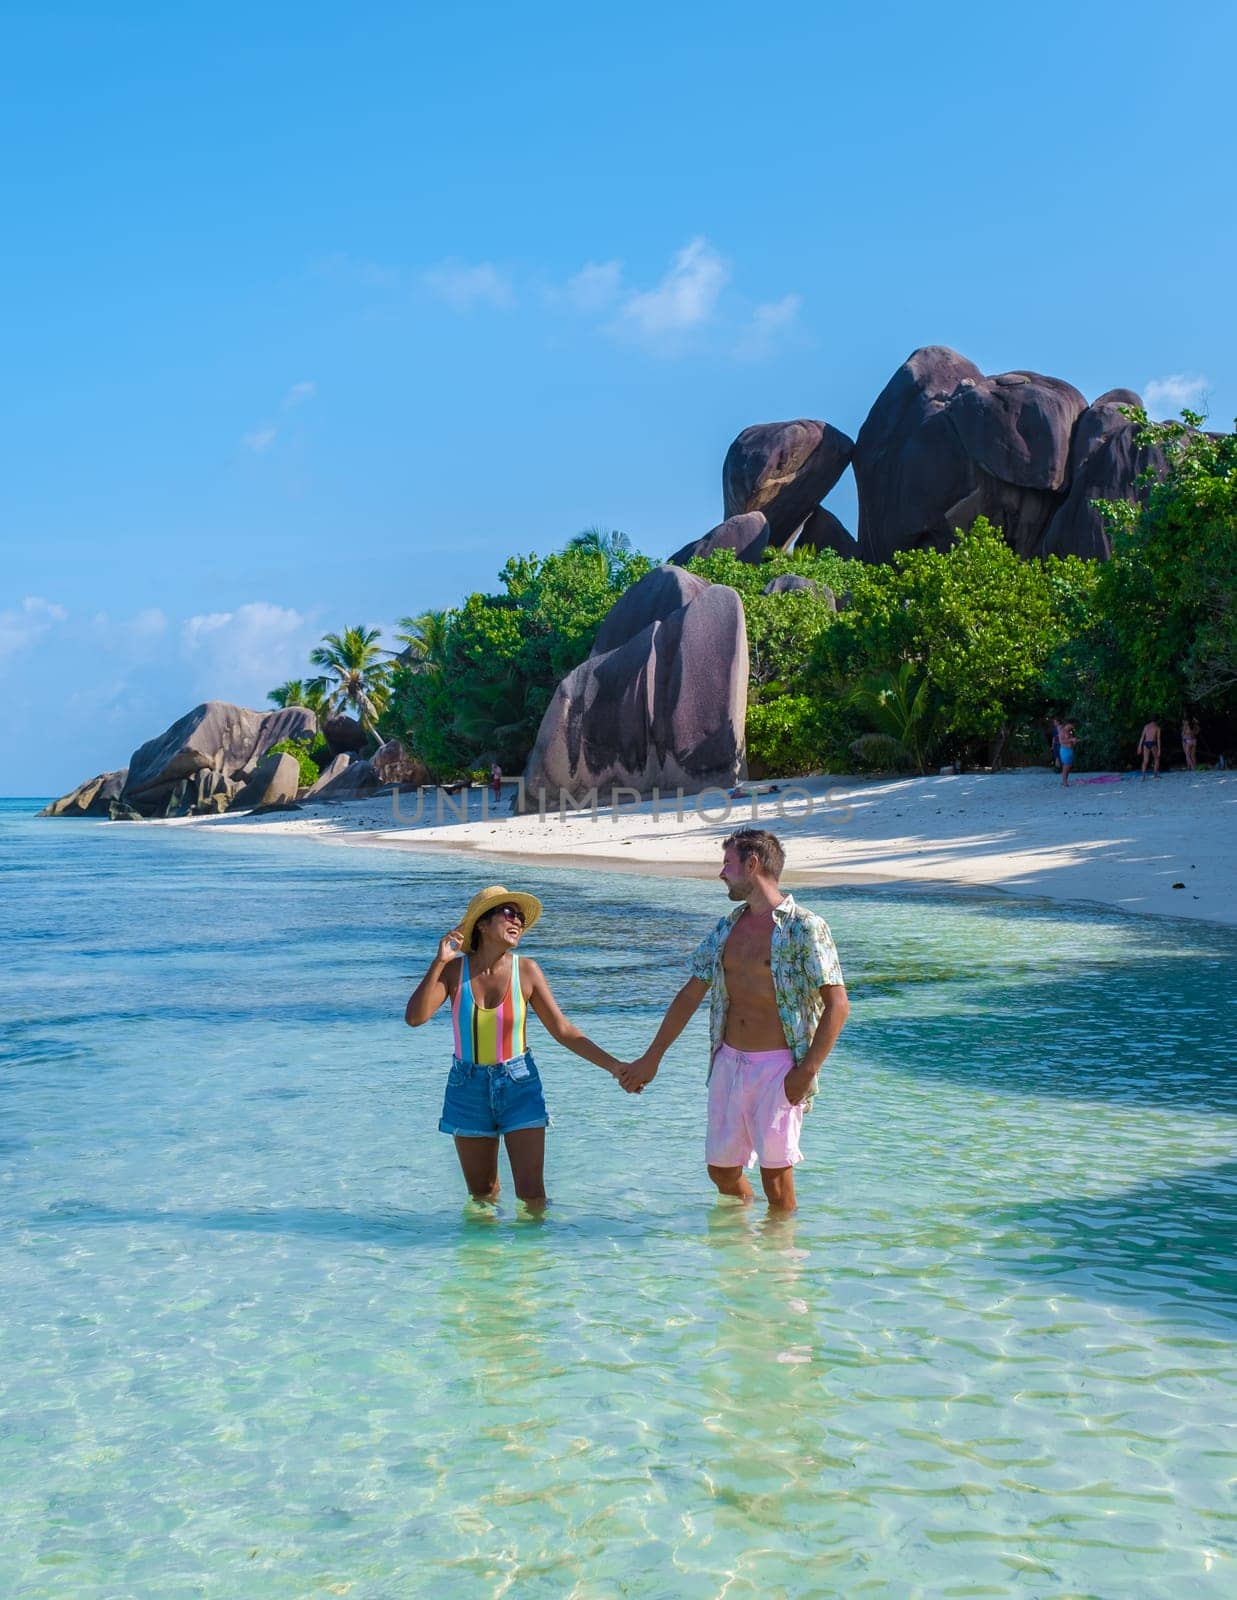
(22, 624)
(115, 681)
(768, 322)
(689, 299)
(595, 287)
(261, 439)
(1171, 393)
(253, 636)
(465, 286)
(239, 655)
(148, 624)
(298, 393)
(686, 297)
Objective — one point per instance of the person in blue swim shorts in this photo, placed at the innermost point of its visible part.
(494, 1088)
(1068, 739)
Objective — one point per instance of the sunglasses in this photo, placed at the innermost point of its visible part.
(512, 913)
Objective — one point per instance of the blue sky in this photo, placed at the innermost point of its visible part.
(314, 314)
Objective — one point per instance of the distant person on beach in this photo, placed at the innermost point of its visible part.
(496, 781)
(1067, 741)
(1056, 744)
(494, 1088)
(1189, 742)
(778, 1004)
(1149, 745)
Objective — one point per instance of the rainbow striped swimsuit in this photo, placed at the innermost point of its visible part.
(486, 1038)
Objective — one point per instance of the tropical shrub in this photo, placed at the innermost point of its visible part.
(976, 625)
(308, 767)
(1168, 596)
(477, 679)
(783, 737)
(903, 711)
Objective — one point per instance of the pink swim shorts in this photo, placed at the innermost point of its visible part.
(750, 1118)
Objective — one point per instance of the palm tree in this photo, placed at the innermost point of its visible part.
(424, 639)
(355, 676)
(299, 692)
(902, 710)
(611, 545)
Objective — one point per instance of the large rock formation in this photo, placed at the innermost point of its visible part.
(356, 781)
(823, 531)
(1105, 464)
(196, 765)
(274, 783)
(658, 595)
(944, 444)
(205, 793)
(661, 702)
(334, 768)
(216, 736)
(784, 469)
(747, 535)
(790, 582)
(393, 763)
(90, 799)
(909, 463)
(344, 736)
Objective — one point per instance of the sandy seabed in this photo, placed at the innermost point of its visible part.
(1163, 847)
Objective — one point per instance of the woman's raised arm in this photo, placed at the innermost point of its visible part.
(432, 990)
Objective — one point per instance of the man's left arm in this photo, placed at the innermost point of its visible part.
(832, 1020)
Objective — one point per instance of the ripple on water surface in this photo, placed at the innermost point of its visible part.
(255, 1346)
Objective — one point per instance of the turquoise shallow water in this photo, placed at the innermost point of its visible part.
(254, 1345)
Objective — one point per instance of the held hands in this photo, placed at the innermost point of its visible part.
(636, 1074)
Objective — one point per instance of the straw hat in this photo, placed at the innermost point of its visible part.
(488, 899)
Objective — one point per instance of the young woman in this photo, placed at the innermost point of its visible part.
(494, 1088)
(1189, 742)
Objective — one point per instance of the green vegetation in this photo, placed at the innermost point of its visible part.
(1168, 596)
(299, 692)
(976, 625)
(300, 748)
(472, 684)
(355, 677)
(961, 655)
(789, 726)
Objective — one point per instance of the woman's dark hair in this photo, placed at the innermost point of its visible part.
(476, 927)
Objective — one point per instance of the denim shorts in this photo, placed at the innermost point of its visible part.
(484, 1102)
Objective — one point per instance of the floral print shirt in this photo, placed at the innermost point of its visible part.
(803, 958)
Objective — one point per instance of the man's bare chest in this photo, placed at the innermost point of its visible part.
(747, 955)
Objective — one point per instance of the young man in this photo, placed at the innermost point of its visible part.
(778, 1006)
(1149, 746)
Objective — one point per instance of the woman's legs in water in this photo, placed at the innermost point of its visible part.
(526, 1153)
(479, 1164)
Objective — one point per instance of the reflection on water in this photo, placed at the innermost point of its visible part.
(257, 1343)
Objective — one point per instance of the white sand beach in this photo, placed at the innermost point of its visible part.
(1164, 848)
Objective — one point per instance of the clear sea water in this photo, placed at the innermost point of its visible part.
(254, 1344)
